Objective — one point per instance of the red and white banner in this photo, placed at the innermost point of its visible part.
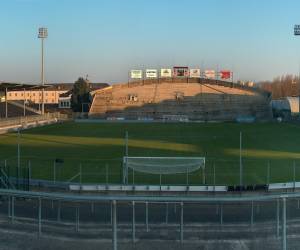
(210, 74)
(225, 74)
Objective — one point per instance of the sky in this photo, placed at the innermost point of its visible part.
(104, 39)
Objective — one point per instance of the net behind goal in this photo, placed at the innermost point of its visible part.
(162, 165)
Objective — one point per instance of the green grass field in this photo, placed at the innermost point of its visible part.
(101, 146)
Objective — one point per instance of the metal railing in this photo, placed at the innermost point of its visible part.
(23, 120)
(264, 215)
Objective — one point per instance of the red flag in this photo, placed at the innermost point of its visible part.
(225, 74)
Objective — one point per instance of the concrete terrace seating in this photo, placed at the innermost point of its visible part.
(199, 99)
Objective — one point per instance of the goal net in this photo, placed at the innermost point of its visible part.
(162, 165)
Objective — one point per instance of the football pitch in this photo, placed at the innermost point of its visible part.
(270, 151)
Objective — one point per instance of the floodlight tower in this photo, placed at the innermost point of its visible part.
(43, 33)
(297, 33)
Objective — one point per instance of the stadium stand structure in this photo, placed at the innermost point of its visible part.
(192, 99)
(14, 110)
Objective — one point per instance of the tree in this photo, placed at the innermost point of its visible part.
(286, 85)
(80, 95)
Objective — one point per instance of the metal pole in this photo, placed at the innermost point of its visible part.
(268, 173)
(284, 224)
(8, 206)
(133, 176)
(294, 174)
(77, 218)
(126, 154)
(24, 105)
(80, 173)
(40, 216)
(252, 213)
(111, 213)
(147, 217)
(133, 221)
(187, 177)
(167, 213)
(12, 209)
(18, 166)
(181, 222)
(114, 226)
(221, 214)
(59, 211)
(92, 207)
(106, 174)
(29, 172)
(43, 77)
(126, 144)
(54, 171)
(277, 218)
(160, 179)
(241, 166)
(6, 114)
(214, 177)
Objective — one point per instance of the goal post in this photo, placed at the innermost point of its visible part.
(162, 165)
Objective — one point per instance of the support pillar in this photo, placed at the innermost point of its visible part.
(277, 218)
(147, 216)
(40, 217)
(133, 221)
(252, 213)
(181, 222)
(59, 211)
(114, 224)
(284, 223)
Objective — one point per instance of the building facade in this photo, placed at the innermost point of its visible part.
(35, 96)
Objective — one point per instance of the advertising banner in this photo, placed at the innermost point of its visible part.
(136, 74)
(151, 73)
(210, 74)
(181, 71)
(166, 73)
(225, 74)
(195, 73)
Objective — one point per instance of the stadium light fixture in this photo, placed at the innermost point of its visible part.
(43, 34)
(297, 30)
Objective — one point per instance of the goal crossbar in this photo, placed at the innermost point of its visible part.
(162, 165)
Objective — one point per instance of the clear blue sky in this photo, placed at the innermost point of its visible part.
(106, 38)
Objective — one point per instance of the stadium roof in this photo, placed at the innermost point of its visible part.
(19, 86)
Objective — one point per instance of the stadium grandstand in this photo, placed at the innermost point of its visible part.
(18, 99)
(180, 99)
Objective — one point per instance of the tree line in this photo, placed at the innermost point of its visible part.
(282, 86)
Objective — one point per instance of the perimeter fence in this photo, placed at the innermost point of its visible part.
(257, 221)
(110, 171)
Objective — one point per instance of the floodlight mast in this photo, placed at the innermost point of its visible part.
(43, 33)
(297, 33)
